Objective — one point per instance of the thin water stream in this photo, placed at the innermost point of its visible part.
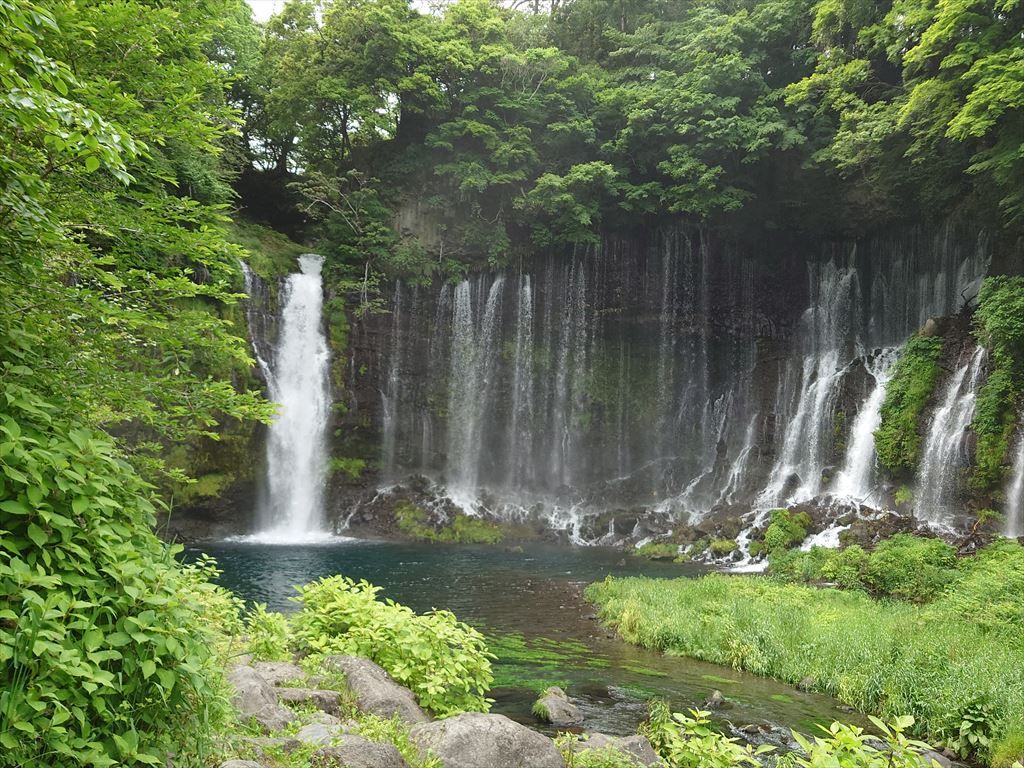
(529, 603)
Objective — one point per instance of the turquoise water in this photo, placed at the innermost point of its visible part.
(529, 603)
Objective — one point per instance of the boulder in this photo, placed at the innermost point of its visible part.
(325, 701)
(240, 764)
(254, 698)
(554, 707)
(374, 690)
(716, 701)
(638, 747)
(357, 752)
(277, 672)
(476, 740)
(286, 744)
(321, 733)
(807, 684)
(930, 755)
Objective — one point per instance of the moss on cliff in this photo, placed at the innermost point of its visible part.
(897, 439)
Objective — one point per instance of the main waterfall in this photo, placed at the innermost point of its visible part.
(291, 504)
(669, 376)
(1015, 493)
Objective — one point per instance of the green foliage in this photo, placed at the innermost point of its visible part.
(394, 731)
(347, 465)
(937, 662)
(786, 530)
(905, 567)
(722, 547)
(848, 746)
(691, 741)
(268, 634)
(657, 550)
(270, 254)
(459, 529)
(107, 656)
(1000, 328)
(606, 757)
(444, 662)
(897, 439)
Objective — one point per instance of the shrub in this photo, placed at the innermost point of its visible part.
(721, 547)
(606, 757)
(897, 441)
(106, 656)
(690, 741)
(911, 568)
(847, 746)
(443, 661)
(787, 529)
(657, 550)
(268, 634)
(462, 529)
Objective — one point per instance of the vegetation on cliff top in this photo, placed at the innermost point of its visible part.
(898, 438)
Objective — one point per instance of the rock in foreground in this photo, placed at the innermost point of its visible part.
(374, 690)
(357, 752)
(637, 747)
(476, 740)
(254, 698)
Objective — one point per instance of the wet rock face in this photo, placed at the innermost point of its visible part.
(475, 740)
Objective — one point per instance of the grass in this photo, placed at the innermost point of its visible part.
(955, 664)
(271, 254)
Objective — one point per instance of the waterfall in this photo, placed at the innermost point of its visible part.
(826, 330)
(297, 379)
(855, 479)
(389, 394)
(660, 376)
(474, 356)
(942, 458)
(1015, 493)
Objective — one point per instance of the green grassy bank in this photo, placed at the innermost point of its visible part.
(955, 664)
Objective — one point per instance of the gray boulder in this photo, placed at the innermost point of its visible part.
(374, 690)
(285, 743)
(638, 747)
(325, 701)
(254, 698)
(322, 733)
(717, 701)
(240, 764)
(357, 752)
(554, 707)
(476, 740)
(277, 672)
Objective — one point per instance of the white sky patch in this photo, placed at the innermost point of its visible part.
(264, 9)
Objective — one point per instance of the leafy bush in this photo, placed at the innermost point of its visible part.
(268, 634)
(897, 441)
(690, 741)
(911, 567)
(904, 566)
(106, 656)
(847, 746)
(722, 547)
(440, 659)
(787, 529)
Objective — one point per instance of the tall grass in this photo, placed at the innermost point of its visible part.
(951, 664)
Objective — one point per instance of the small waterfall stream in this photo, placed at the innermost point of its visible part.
(942, 457)
(857, 475)
(291, 509)
(1015, 494)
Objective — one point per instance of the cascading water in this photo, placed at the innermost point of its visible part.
(943, 458)
(1015, 494)
(661, 377)
(291, 509)
(857, 473)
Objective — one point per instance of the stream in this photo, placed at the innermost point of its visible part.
(529, 604)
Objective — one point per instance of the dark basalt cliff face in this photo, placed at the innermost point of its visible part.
(660, 377)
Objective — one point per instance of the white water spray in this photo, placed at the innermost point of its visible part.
(943, 458)
(297, 379)
(1015, 495)
(854, 480)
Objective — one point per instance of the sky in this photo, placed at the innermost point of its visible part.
(264, 9)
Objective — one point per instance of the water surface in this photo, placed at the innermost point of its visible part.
(529, 603)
